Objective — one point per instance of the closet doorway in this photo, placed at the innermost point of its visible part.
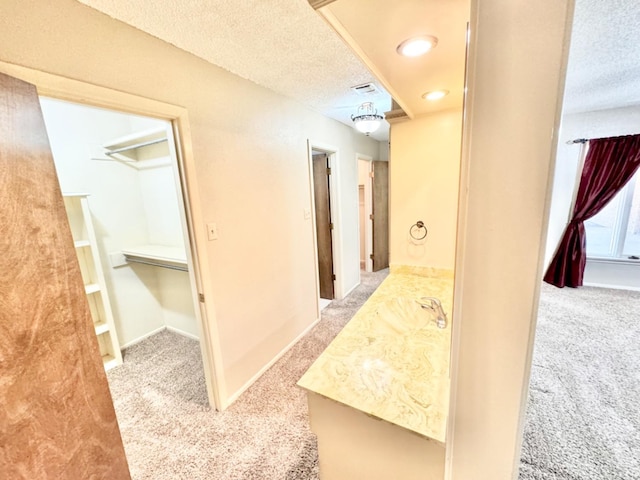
(120, 179)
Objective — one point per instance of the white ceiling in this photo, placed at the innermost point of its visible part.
(284, 45)
(407, 79)
(604, 58)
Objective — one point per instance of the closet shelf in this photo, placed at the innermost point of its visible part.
(91, 288)
(75, 194)
(126, 148)
(101, 328)
(109, 361)
(158, 255)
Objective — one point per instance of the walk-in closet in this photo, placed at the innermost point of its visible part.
(119, 178)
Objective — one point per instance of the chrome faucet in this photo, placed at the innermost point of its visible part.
(434, 305)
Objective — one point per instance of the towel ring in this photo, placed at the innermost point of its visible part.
(415, 229)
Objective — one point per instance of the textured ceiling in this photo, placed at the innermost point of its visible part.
(287, 47)
(604, 58)
(283, 45)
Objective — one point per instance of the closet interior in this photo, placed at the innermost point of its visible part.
(119, 179)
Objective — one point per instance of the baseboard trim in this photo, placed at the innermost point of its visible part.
(351, 289)
(613, 287)
(139, 339)
(233, 397)
(183, 333)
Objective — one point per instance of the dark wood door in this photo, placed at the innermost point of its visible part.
(380, 215)
(56, 417)
(321, 174)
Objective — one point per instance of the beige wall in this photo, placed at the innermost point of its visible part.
(516, 74)
(251, 168)
(423, 183)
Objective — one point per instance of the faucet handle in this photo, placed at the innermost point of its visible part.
(434, 301)
(435, 305)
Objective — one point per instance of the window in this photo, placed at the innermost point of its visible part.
(615, 231)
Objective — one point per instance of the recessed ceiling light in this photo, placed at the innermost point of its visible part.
(416, 46)
(435, 95)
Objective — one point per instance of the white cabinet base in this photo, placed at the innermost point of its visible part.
(356, 446)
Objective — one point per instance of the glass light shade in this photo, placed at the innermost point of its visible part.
(435, 95)
(367, 126)
(416, 46)
(368, 120)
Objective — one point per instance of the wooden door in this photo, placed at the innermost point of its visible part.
(56, 418)
(380, 209)
(321, 177)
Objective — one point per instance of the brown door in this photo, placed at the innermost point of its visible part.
(56, 416)
(380, 215)
(321, 173)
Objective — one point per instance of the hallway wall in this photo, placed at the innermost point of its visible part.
(251, 168)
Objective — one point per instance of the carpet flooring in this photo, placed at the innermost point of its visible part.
(582, 423)
(583, 415)
(170, 433)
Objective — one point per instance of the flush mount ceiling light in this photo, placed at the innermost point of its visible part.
(367, 119)
(435, 95)
(416, 46)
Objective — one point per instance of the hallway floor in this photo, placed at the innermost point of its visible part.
(170, 433)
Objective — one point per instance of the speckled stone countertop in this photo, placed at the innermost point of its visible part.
(391, 361)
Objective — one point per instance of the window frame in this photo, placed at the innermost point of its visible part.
(620, 226)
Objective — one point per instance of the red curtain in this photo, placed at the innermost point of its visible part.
(609, 165)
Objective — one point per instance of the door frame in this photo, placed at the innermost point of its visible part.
(53, 86)
(368, 211)
(333, 155)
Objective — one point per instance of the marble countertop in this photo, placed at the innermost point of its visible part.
(391, 361)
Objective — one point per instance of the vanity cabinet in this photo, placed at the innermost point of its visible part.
(378, 395)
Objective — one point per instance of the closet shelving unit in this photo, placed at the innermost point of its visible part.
(86, 245)
(157, 255)
(128, 149)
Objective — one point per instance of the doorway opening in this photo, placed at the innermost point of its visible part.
(323, 160)
(373, 208)
(120, 178)
(584, 356)
(380, 212)
(365, 209)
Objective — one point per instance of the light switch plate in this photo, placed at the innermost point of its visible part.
(212, 231)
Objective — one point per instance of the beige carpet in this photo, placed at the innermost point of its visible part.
(170, 433)
(583, 418)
